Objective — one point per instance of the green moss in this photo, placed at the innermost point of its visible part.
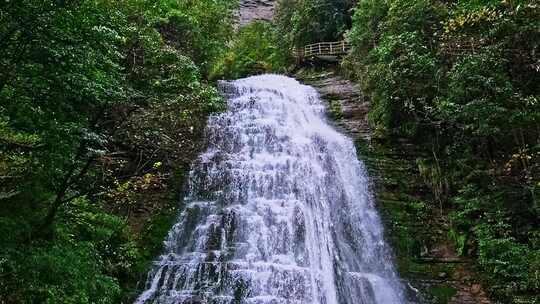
(158, 226)
(442, 293)
(335, 109)
(408, 213)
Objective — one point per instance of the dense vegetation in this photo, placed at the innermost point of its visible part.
(461, 80)
(256, 48)
(302, 22)
(102, 105)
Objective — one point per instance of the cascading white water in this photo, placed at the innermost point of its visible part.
(278, 211)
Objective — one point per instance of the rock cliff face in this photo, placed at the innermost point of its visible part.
(251, 10)
(415, 225)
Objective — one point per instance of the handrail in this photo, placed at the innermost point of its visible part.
(323, 49)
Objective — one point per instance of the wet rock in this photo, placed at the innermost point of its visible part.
(353, 105)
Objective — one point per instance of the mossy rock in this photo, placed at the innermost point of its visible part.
(335, 109)
(442, 293)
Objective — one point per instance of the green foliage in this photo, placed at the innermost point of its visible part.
(335, 110)
(511, 265)
(431, 173)
(302, 22)
(255, 49)
(83, 264)
(200, 29)
(14, 164)
(460, 81)
(394, 62)
(92, 95)
(480, 97)
(63, 69)
(155, 232)
(460, 241)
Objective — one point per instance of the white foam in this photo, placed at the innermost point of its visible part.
(278, 212)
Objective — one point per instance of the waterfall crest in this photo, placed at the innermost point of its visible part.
(278, 210)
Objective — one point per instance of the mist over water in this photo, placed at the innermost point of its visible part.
(278, 210)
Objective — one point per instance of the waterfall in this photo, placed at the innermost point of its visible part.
(278, 210)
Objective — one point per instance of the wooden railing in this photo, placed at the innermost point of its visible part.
(338, 48)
